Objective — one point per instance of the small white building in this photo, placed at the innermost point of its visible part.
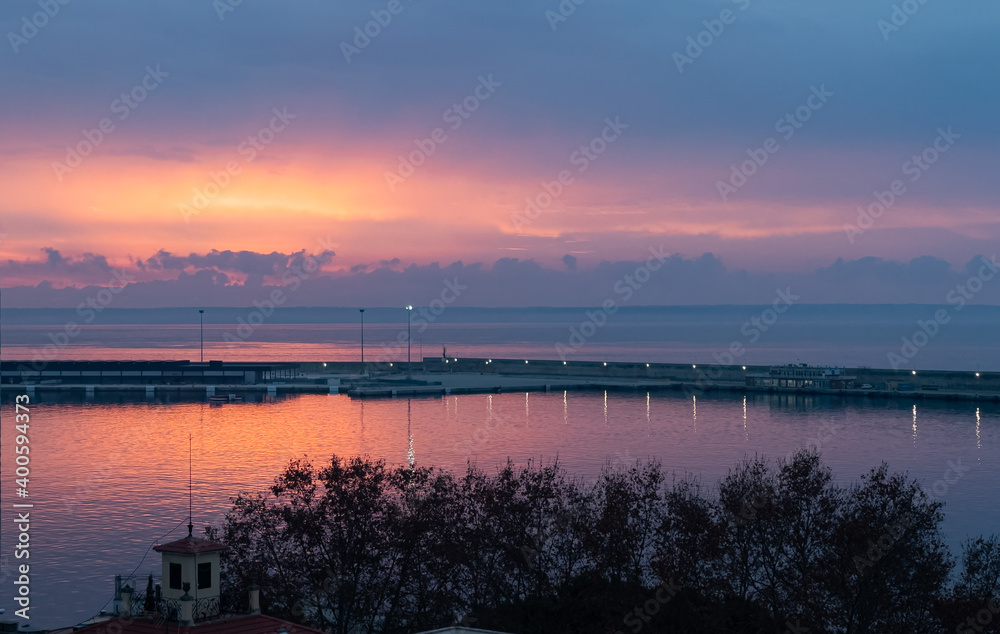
(802, 376)
(188, 600)
(190, 566)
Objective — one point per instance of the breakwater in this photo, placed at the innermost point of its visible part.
(712, 374)
(466, 375)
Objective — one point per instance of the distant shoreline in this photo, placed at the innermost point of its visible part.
(38, 316)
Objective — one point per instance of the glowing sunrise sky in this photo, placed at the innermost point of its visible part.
(546, 85)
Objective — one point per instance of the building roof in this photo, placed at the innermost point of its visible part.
(244, 624)
(459, 629)
(190, 545)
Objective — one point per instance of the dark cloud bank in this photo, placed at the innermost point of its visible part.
(668, 280)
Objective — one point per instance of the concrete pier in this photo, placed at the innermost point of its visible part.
(439, 377)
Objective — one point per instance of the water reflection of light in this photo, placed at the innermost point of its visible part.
(565, 407)
(605, 407)
(745, 432)
(979, 440)
(409, 435)
(914, 425)
(647, 409)
(527, 410)
(361, 435)
(694, 410)
(246, 444)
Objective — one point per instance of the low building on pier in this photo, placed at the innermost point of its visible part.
(802, 376)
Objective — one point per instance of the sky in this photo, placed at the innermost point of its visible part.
(202, 152)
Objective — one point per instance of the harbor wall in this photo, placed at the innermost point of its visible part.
(709, 374)
(691, 375)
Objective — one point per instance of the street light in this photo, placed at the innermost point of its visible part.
(409, 373)
(362, 311)
(201, 329)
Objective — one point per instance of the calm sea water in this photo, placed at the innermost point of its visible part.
(819, 335)
(110, 477)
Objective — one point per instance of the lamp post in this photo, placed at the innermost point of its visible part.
(409, 373)
(201, 330)
(362, 311)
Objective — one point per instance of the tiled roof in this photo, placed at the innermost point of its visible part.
(458, 629)
(245, 624)
(190, 546)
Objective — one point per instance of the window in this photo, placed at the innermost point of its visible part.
(204, 575)
(175, 576)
